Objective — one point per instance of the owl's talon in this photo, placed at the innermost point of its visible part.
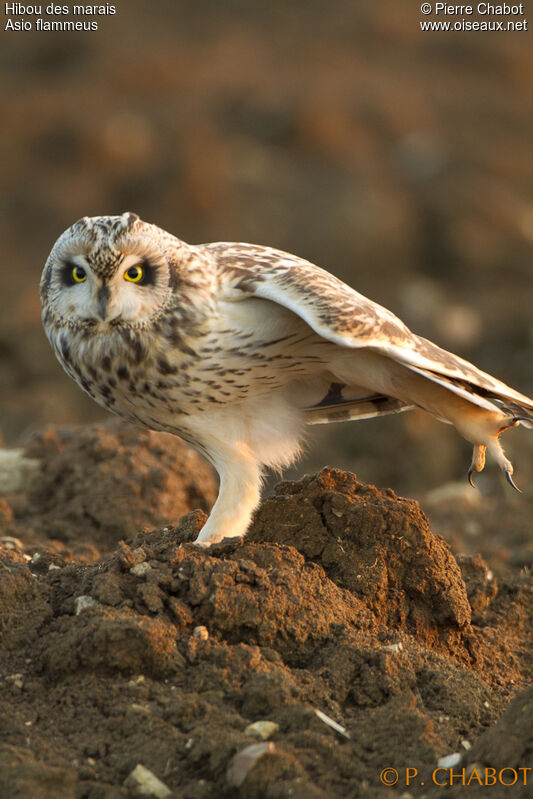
(478, 462)
(509, 478)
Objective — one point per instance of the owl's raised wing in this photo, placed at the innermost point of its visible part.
(342, 315)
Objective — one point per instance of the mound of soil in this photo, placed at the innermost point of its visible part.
(340, 639)
(96, 484)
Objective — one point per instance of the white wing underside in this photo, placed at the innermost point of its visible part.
(341, 315)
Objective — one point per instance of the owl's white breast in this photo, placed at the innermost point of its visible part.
(166, 375)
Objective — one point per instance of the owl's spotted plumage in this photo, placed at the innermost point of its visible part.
(236, 347)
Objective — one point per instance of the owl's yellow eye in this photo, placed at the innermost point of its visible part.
(78, 274)
(134, 274)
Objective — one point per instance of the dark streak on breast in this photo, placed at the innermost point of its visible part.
(165, 368)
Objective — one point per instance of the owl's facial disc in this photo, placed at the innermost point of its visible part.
(131, 294)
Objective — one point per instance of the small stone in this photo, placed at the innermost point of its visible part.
(53, 567)
(466, 745)
(11, 543)
(143, 782)
(140, 569)
(16, 471)
(83, 603)
(262, 729)
(332, 723)
(201, 632)
(16, 680)
(449, 761)
(244, 761)
(395, 647)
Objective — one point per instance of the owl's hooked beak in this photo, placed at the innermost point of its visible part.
(103, 299)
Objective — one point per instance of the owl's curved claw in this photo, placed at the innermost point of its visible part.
(509, 478)
(505, 465)
(478, 462)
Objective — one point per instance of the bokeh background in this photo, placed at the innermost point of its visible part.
(399, 160)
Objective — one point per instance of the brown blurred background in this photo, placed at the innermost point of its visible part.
(399, 160)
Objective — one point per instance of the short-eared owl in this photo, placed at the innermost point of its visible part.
(236, 347)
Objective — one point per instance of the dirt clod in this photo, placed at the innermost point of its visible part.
(377, 545)
(103, 482)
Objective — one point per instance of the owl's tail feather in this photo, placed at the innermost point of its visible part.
(346, 410)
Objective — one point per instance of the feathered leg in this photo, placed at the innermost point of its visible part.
(238, 496)
(240, 442)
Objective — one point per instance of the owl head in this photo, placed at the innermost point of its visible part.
(110, 270)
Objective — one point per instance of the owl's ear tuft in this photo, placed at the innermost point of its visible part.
(130, 218)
